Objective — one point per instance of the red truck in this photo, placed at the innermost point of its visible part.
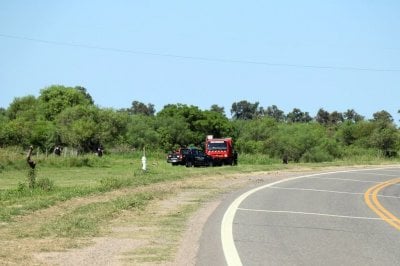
(221, 150)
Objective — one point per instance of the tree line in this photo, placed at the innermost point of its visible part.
(68, 117)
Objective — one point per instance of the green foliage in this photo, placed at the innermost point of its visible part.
(32, 178)
(67, 117)
(297, 116)
(258, 159)
(275, 113)
(316, 155)
(45, 184)
(142, 132)
(23, 107)
(86, 220)
(139, 108)
(352, 116)
(385, 138)
(246, 110)
(12, 158)
(56, 98)
(117, 171)
(183, 125)
(252, 134)
(297, 140)
(110, 183)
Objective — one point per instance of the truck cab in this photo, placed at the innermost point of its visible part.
(221, 150)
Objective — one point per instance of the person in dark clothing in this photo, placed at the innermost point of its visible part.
(57, 151)
(285, 159)
(100, 151)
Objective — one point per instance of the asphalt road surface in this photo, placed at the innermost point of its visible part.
(335, 218)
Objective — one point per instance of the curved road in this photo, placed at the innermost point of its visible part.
(335, 218)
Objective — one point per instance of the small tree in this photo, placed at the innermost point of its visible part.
(246, 110)
(32, 165)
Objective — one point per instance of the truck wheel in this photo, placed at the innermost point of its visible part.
(189, 164)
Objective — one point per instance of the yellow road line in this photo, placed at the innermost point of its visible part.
(371, 199)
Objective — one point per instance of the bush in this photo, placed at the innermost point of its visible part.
(257, 159)
(316, 155)
(22, 187)
(45, 184)
(359, 153)
(109, 183)
(79, 162)
(31, 178)
(12, 158)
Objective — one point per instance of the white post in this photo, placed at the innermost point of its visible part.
(144, 160)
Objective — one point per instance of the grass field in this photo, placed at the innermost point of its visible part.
(78, 198)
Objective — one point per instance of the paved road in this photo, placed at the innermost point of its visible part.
(337, 218)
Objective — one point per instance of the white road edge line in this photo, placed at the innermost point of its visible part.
(346, 179)
(313, 213)
(330, 191)
(232, 257)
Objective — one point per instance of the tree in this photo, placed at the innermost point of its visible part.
(16, 132)
(142, 132)
(23, 107)
(195, 124)
(297, 116)
(2, 112)
(322, 117)
(246, 110)
(347, 133)
(353, 116)
(78, 127)
(56, 98)
(3, 125)
(217, 109)
(383, 116)
(213, 123)
(27, 126)
(386, 140)
(252, 135)
(335, 118)
(85, 93)
(111, 126)
(141, 108)
(175, 132)
(274, 112)
(302, 142)
(385, 135)
(329, 119)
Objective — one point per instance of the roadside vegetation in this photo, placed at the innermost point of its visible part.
(67, 117)
(80, 197)
(78, 194)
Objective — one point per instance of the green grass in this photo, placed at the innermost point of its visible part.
(82, 176)
(76, 198)
(86, 220)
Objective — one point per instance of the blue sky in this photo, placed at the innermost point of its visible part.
(335, 55)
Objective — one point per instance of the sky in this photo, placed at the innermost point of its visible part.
(336, 55)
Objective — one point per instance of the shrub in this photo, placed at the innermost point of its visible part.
(31, 178)
(316, 155)
(109, 183)
(21, 187)
(45, 184)
(79, 162)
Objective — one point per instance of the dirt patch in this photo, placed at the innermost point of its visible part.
(104, 251)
